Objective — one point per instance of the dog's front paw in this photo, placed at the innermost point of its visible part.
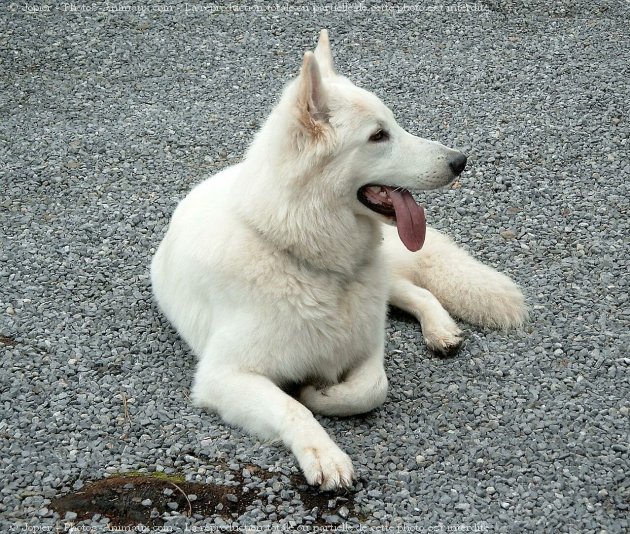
(326, 466)
(444, 337)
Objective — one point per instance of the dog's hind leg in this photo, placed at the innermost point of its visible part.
(440, 332)
(254, 403)
(363, 389)
(464, 286)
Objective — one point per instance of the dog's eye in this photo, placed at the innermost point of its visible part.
(378, 136)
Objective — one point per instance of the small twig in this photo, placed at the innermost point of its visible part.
(123, 397)
(185, 496)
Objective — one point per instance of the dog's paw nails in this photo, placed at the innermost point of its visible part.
(446, 341)
(327, 467)
(449, 348)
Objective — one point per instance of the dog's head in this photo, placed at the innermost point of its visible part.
(349, 135)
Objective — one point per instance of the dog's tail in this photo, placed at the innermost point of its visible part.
(467, 288)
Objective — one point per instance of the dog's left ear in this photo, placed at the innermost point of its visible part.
(324, 55)
(312, 109)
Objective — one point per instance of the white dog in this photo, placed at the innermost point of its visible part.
(278, 270)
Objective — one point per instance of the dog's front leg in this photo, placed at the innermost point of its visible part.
(362, 390)
(254, 403)
(440, 332)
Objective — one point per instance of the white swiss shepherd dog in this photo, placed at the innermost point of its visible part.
(277, 271)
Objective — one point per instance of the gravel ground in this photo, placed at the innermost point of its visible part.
(110, 117)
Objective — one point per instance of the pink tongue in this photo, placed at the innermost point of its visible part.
(410, 220)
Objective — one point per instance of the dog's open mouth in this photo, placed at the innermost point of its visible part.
(398, 205)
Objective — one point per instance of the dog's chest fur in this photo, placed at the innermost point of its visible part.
(316, 323)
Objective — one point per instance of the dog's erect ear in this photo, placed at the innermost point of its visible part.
(324, 55)
(311, 97)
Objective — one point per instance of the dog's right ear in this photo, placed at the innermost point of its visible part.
(324, 55)
(311, 103)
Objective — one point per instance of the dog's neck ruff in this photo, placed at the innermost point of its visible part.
(317, 259)
(305, 265)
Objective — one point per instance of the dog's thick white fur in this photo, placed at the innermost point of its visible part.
(276, 274)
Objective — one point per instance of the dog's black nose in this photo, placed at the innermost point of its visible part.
(458, 163)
